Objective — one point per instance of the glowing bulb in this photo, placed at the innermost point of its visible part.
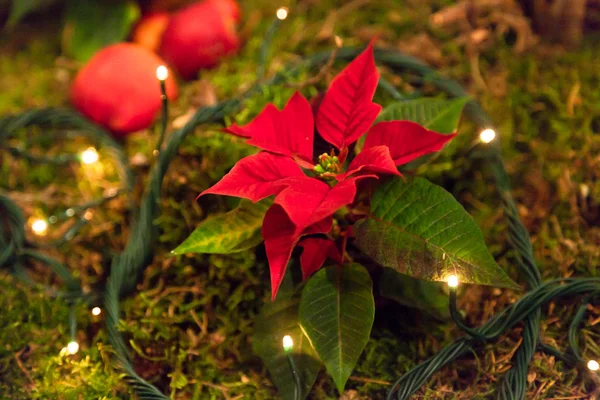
(89, 156)
(487, 135)
(89, 214)
(282, 13)
(288, 343)
(453, 281)
(73, 347)
(162, 73)
(593, 365)
(96, 311)
(39, 227)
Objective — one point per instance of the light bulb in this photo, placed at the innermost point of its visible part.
(282, 13)
(487, 135)
(39, 227)
(288, 343)
(73, 347)
(89, 156)
(593, 365)
(88, 215)
(96, 311)
(162, 73)
(453, 281)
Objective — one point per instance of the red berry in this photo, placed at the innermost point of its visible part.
(118, 88)
(149, 30)
(199, 35)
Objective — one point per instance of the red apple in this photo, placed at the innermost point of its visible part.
(199, 35)
(118, 88)
(228, 8)
(149, 30)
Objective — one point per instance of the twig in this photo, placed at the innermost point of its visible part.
(22, 368)
(369, 380)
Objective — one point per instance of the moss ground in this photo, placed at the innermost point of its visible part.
(191, 319)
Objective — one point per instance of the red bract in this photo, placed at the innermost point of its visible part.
(304, 205)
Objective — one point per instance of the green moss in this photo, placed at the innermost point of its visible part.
(33, 334)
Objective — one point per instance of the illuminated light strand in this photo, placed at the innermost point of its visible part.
(288, 343)
(96, 311)
(487, 135)
(72, 347)
(282, 13)
(593, 365)
(452, 281)
(288, 347)
(89, 156)
(39, 226)
(162, 73)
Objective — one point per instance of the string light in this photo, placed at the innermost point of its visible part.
(72, 348)
(453, 281)
(96, 311)
(282, 13)
(162, 73)
(89, 156)
(487, 135)
(593, 365)
(39, 227)
(89, 214)
(288, 343)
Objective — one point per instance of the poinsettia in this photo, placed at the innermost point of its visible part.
(307, 191)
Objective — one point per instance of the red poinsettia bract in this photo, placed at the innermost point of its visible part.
(305, 205)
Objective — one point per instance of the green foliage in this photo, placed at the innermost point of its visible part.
(438, 115)
(93, 24)
(277, 319)
(232, 232)
(20, 8)
(337, 312)
(426, 296)
(419, 229)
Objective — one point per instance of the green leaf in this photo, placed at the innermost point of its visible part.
(231, 232)
(20, 8)
(93, 24)
(419, 229)
(337, 311)
(438, 115)
(428, 297)
(277, 319)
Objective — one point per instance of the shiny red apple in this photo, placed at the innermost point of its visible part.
(200, 35)
(149, 30)
(118, 88)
